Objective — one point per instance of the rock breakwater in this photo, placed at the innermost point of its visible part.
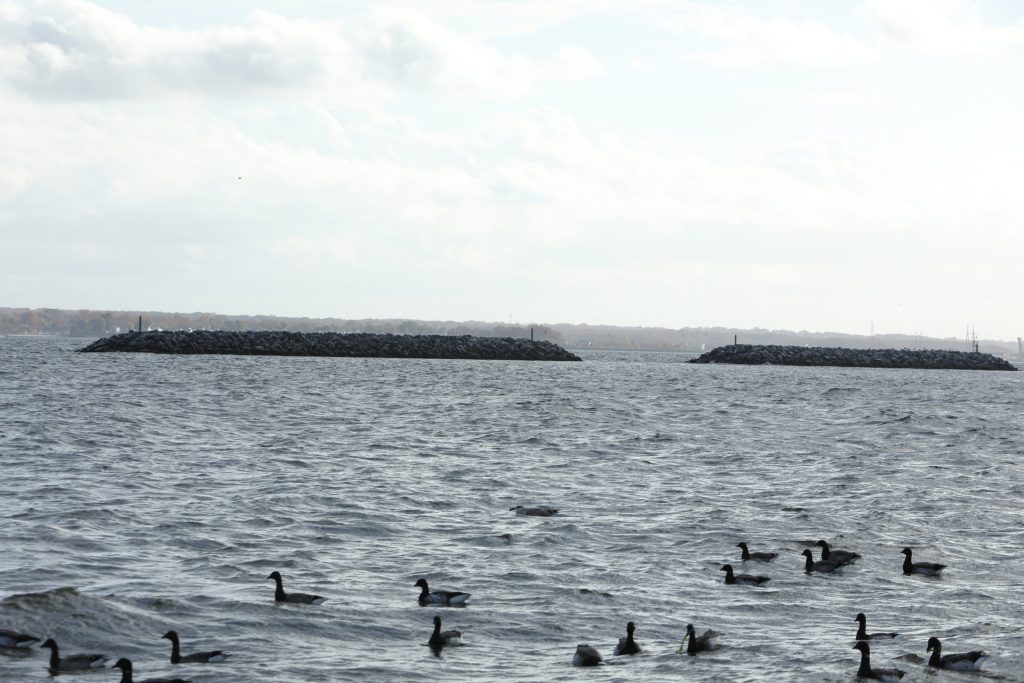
(363, 345)
(930, 359)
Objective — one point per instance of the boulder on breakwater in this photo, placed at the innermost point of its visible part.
(928, 359)
(361, 345)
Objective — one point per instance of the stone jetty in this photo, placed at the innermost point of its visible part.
(361, 345)
(930, 359)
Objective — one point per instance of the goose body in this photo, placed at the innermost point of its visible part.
(535, 510)
(586, 656)
(15, 639)
(865, 670)
(837, 556)
(923, 568)
(445, 598)
(627, 646)
(862, 633)
(210, 657)
(963, 661)
(125, 665)
(743, 579)
(72, 662)
(701, 643)
(439, 639)
(297, 598)
(823, 566)
(746, 555)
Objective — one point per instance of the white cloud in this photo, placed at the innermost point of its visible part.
(940, 26)
(575, 63)
(743, 40)
(419, 53)
(389, 159)
(529, 203)
(75, 49)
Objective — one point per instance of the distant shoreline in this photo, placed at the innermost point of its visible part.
(100, 323)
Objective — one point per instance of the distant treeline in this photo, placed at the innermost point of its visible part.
(97, 324)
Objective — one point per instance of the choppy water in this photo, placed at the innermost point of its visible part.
(141, 493)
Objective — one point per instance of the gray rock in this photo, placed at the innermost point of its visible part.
(931, 359)
(332, 344)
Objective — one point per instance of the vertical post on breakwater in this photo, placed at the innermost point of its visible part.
(140, 324)
(734, 340)
(531, 334)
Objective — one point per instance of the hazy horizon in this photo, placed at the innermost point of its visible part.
(850, 166)
(525, 323)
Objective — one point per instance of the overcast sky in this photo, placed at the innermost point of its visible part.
(772, 163)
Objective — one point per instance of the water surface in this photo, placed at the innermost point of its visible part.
(142, 493)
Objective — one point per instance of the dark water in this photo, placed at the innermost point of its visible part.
(141, 493)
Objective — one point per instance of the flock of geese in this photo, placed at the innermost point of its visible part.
(586, 655)
(86, 662)
(831, 560)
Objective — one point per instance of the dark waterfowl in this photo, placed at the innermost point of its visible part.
(837, 556)
(862, 633)
(923, 568)
(439, 639)
(535, 510)
(445, 598)
(586, 656)
(695, 643)
(865, 670)
(627, 646)
(210, 657)
(15, 639)
(125, 665)
(743, 579)
(746, 555)
(72, 662)
(298, 598)
(823, 566)
(963, 661)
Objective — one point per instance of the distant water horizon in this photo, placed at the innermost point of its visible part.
(695, 338)
(143, 493)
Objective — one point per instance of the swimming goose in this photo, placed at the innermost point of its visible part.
(695, 643)
(744, 579)
(447, 598)
(963, 661)
(439, 639)
(820, 566)
(535, 510)
(862, 634)
(125, 666)
(865, 670)
(586, 656)
(301, 598)
(837, 556)
(924, 568)
(196, 657)
(74, 662)
(15, 639)
(627, 646)
(756, 557)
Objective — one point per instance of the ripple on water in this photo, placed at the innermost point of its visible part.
(165, 490)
